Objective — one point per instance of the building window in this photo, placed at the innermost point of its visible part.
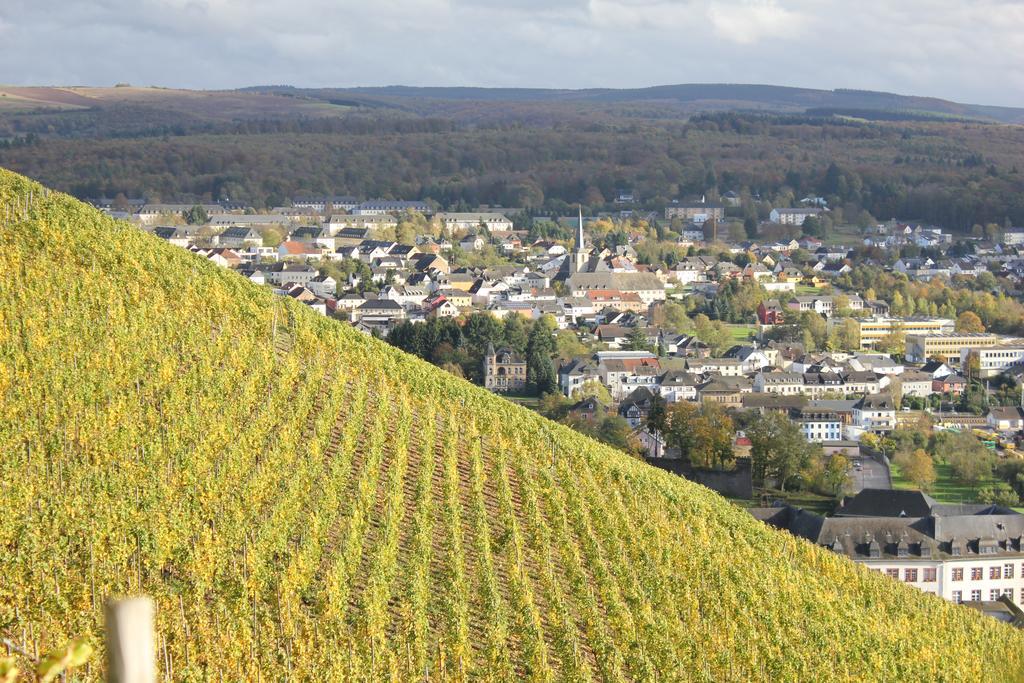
(893, 573)
(1007, 571)
(929, 574)
(977, 574)
(958, 597)
(1008, 592)
(976, 596)
(958, 573)
(995, 572)
(994, 594)
(910, 575)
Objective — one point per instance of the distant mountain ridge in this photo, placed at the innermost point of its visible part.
(697, 97)
(129, 105)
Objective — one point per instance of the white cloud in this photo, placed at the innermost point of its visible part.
(754, 20)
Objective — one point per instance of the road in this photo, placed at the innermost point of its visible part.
(871, 475)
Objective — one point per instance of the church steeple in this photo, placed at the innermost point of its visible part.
(579, 256)
(579, 232)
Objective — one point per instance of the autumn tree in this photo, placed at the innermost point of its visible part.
(703, 434)
(972, 466)
(836, 474)
(918, 467)
(968, 321)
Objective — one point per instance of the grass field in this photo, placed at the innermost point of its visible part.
(742, 333)
(946, 489)
(807, 289)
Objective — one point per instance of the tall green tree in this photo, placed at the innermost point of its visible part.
(196, 216)
(636, 340)
(515, 332)
(778, 449)
(540, 347)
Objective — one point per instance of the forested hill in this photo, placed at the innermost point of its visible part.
(698, 97)
(305, 502)
(871, 155)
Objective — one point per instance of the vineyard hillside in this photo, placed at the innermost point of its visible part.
(307, 503)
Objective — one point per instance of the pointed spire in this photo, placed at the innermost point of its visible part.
(579, 231)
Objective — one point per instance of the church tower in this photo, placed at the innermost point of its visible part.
(579, 257)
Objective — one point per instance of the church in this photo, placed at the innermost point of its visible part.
(587, 271)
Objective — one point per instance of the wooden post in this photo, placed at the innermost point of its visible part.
(130, 643)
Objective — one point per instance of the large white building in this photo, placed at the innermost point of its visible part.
(457, 222)
(992, 361)
(793, 216)
(379, 207)
(969, 552)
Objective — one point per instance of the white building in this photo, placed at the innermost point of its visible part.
(458, 222)
(378, 207)
(992, 361)
(875, 413)
(818, 425)
(793, 216)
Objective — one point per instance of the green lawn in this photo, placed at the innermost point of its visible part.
(946, 488)
(807, 289)
(741, 333)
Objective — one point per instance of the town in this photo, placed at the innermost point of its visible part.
(799, 365)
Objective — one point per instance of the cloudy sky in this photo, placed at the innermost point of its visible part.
(967, 50)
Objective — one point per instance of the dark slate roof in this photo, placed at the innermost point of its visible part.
(641, 396)
(887, 503)
(876, 402)
(381, 304)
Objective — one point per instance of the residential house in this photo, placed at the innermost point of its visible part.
(323, 286)
(727, 391)
(953, 384)
(678, 385)
(770, 312)
(875, 413)
(178, 236)
(589, 409)
(916, 383)
(299, 250)
(726, 367)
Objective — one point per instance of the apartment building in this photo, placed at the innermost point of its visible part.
(946, 347)
(797, 216)
(817, 425)
(698, 212)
